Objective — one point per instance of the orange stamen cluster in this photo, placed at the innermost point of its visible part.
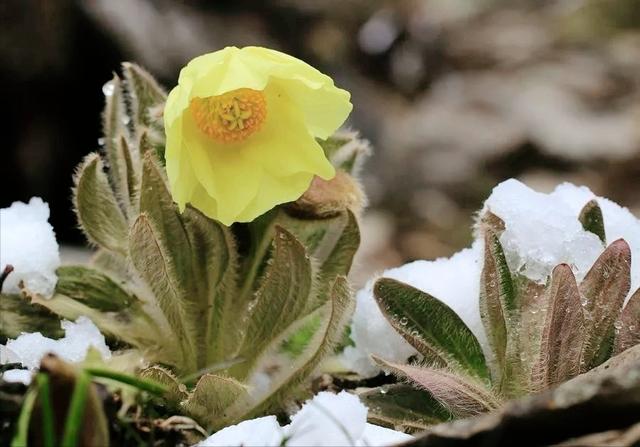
(231, 117)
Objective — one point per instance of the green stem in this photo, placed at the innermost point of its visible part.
(44, 392)
(22, 429)
(75, 413)
(142, 384)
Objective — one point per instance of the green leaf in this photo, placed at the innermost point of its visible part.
(285, 373)
(21, 436)
(214, 263)
(462, 396)
(403, 405)
(17, 315)
(592, 221)
(286, 286)
(113, 118)
(497, 302)
(128, 187)
(44, 397)
(137, 329)
(96, 207)
(95, 289)
(76, 412)
(175, 393)
(429, 325)
(157, 268)
(563, 332)
(604, 289)
(211, 398)
(113, 264)
(628, 326)
(144, 92)
(346, 151)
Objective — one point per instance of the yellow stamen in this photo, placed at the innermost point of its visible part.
(231, 117)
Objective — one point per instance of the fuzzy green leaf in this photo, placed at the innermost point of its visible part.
(128, 186)
(113, 118)
(133, 328)
(111, 263)
(144, 92)
(563, 332)
(346, 151)
(96, 206)
(17, 315)
(462, 396)
(592, 221)
(435, 330)
(604, 289)
(628, 326)
(403, 405)
(95, 289)
(286, 373)
(176, 391)
(155, 265)
(214, 263)
(286, 286)
(497, 301)
(211, 398)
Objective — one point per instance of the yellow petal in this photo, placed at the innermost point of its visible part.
(284, 146)
(224, 171)
(287, 189)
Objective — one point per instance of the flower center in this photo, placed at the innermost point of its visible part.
(232, 116)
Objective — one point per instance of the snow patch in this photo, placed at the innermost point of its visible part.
(455, 281)
(29, 348)
(326, 420)
(28, 243)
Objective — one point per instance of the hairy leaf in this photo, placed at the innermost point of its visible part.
(132, 328)
(128, 186)
(491, 222)
(214, 263)
(95, 289)
(403, 405)
(176, 391)
(628, 326)
(604, 289)
(143, 90)
(462, 396)
(346, 151)
(111, 263)
(17, 315)
(285, 373)
(592, 221)
(113, 118)
(525, 338)
(211, 398)
(96, 206)
(563, 332)
(286, 287)
(435, 330)
(154, 264)
(497, 302)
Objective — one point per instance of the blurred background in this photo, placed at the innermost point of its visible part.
(455, 96)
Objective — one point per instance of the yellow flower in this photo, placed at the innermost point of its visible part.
(241, 127)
